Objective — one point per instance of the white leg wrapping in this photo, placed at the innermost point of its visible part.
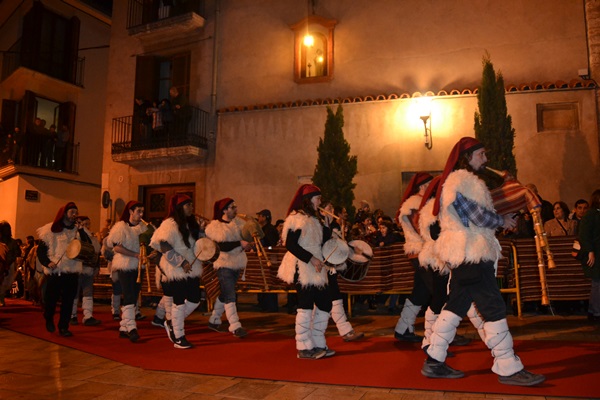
(430, 318)
(87, 303)
(232, 316)
(443, 332)
(115, 304)
(177, 320)
(190, 307)
(407, 318)
(304, 340)
(168, 302)
(499, 340)
(338, 314)
(128, 318)
(218, 310)
(160, 309)
(477, 321)
(319, 326)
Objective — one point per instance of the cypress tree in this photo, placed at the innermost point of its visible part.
(493, 125)
(335, 167)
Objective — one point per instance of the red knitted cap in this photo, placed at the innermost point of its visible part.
(304, 191)
(461, 147)
(132, 204)
(56, 224)
(178, 200)
(220, 206)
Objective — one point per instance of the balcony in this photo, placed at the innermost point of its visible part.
(154, 24)
(39, 155)
(183, 140)
(66, 71)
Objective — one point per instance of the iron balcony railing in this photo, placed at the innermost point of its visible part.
(37, 150)
(134, 134)
(141, 12)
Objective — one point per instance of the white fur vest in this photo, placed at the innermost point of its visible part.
(228, 232)
(57, 246)
(414, 241)
(311, 240)
(129, 237)
(457, 243)
(168, 231)
(427, 257)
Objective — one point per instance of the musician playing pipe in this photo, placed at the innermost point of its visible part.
(226, 230)
(303, 265)
(86, 278)
(124, 240)
(62, 272)
(176, 239)
(468, 246)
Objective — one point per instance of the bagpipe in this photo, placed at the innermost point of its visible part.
(513, 197)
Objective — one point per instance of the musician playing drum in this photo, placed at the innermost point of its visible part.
(86, 278)
(226, 230)
(124, 240)
(338, 313)
(62, 272)
(303, 265)
(468, 246)
(176, 238)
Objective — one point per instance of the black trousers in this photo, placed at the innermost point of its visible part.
(185, 289)
(423, 284)
(310, 296)
(129, 286)
(476, 283)
(63, 287)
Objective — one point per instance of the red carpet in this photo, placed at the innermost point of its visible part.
(571, 368)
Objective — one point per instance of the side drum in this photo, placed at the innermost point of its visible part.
(82, 251)
(358, 261)
(207, 250)
(335, 253)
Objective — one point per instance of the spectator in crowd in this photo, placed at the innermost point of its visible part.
(63, 136)
(589, 238)
(546, 212)
(560, 225)
(18, 139)
(13, 251)
(581, 207)
(267, 302)
(363, 209)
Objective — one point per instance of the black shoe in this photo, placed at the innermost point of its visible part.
(134, 336)
(65, 332)
(139, 316)
(312, 354)
(160, 322)
(182, 343)
(123, 335)
(408, 336)
(327, 350)
(215, 327)
(460, 340)
(116, 317)
(50, 326)
(240, 332)
(435, 369)
(91, 321)
(522, 378)
(169, 328)
(74, 321)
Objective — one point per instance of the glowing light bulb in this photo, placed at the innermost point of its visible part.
(309, 40)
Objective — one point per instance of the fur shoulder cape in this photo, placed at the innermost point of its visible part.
(414, 241)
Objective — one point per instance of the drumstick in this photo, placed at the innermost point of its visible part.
(333, 251)
(360, 252)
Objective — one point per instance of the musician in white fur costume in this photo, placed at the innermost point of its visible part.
(176, 239)
(226, 230)
(86, 278)
(303, 265)
(62, 273)
(429, 230)
(421, 291)
(124, 240)
(467, 244)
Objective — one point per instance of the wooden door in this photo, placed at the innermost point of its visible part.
(157, 198)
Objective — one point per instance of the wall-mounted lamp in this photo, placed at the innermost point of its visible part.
(424, 106)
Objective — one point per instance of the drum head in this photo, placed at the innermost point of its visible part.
(73, 249)
(360, 251)
(207, 250)
(335, 251)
